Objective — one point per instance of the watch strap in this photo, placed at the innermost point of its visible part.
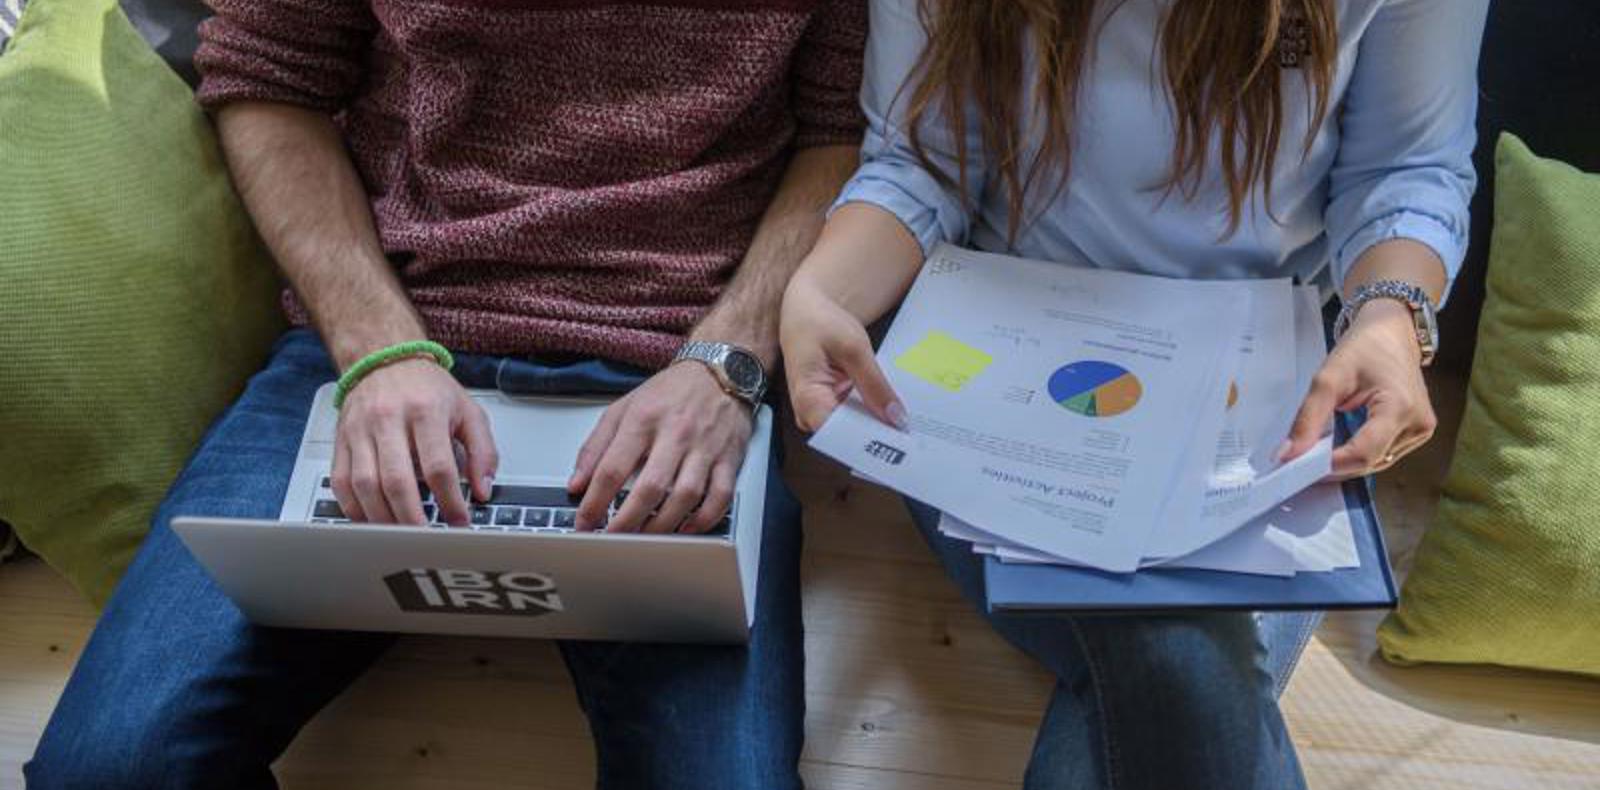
(1411, 295)
(714, 356)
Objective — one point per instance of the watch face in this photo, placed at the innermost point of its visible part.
(743, 370)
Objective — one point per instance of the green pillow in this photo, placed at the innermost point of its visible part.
(134, 296)
(1509, 573)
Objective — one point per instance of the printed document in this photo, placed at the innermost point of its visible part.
(1246, 479)
(1052, 404)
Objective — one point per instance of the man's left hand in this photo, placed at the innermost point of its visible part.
(686, 438)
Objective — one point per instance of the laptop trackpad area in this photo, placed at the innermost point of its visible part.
(536, 437)
(539, 438)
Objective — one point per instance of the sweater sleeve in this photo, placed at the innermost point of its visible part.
(826, 75)
(309, 53)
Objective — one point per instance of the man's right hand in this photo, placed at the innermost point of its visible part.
(401, 420)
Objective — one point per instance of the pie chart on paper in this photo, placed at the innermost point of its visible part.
(1095, 389)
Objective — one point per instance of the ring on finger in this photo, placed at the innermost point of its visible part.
(1402, 449)
(1384, 461)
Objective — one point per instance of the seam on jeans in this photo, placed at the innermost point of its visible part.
(1281, 683)
(499, 372)
(1104, 710)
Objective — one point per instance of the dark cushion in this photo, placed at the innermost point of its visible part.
(171, 28)
(1538, 82)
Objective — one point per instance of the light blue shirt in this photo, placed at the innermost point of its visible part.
(1393, 159)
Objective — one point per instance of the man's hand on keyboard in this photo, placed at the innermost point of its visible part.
(403, 419)
(685, 437)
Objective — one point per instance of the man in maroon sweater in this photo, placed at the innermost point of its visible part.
(574, 188)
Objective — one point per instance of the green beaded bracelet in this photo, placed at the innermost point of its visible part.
(385, 356)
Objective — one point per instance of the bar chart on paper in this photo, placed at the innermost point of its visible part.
(1095, 389)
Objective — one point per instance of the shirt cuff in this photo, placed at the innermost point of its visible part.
(1437, 233)
(912, 196)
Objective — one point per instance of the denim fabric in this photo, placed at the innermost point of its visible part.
(554, 375)
(177, 690)
(1147, 702)
(1286, 635)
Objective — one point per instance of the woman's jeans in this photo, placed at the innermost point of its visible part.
(1180, 702)
(176, 689)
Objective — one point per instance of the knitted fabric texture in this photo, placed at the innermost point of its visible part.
(556, 176)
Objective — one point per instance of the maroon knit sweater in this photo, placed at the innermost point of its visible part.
(556, 175)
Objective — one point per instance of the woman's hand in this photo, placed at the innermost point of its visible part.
(1377, 364)
(827, 352)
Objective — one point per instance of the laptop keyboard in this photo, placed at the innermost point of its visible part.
(511, 508)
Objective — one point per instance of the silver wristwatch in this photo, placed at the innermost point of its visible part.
(1413, 297)
(738, 371)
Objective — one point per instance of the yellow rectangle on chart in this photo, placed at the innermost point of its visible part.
(943, 361)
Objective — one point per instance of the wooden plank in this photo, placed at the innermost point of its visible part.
(829, 776)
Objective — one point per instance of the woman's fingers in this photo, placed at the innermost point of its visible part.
(1329, 388)
(854, 356)
(1399, 417)
(1371, 448)
(814, 401)
(828, 353)
(1412, 442)
(1396, 426)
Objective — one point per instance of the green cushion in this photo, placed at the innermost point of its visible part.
(134, 296)
(1509, 573)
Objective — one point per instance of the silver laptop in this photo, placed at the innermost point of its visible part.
(520, 570)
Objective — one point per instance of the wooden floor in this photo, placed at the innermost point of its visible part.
(907, 689)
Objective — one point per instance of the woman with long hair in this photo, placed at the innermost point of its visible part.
(1328, 140)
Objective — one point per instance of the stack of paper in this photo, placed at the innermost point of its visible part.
(1073, 416)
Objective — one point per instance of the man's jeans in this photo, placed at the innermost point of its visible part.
(1150, 702)
(177, 690)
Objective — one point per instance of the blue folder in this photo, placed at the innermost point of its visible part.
(1019, 588)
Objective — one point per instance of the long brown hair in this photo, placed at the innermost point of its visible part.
(1224, 63)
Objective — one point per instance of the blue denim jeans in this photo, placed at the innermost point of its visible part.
(1153, 702)
(176, 689)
